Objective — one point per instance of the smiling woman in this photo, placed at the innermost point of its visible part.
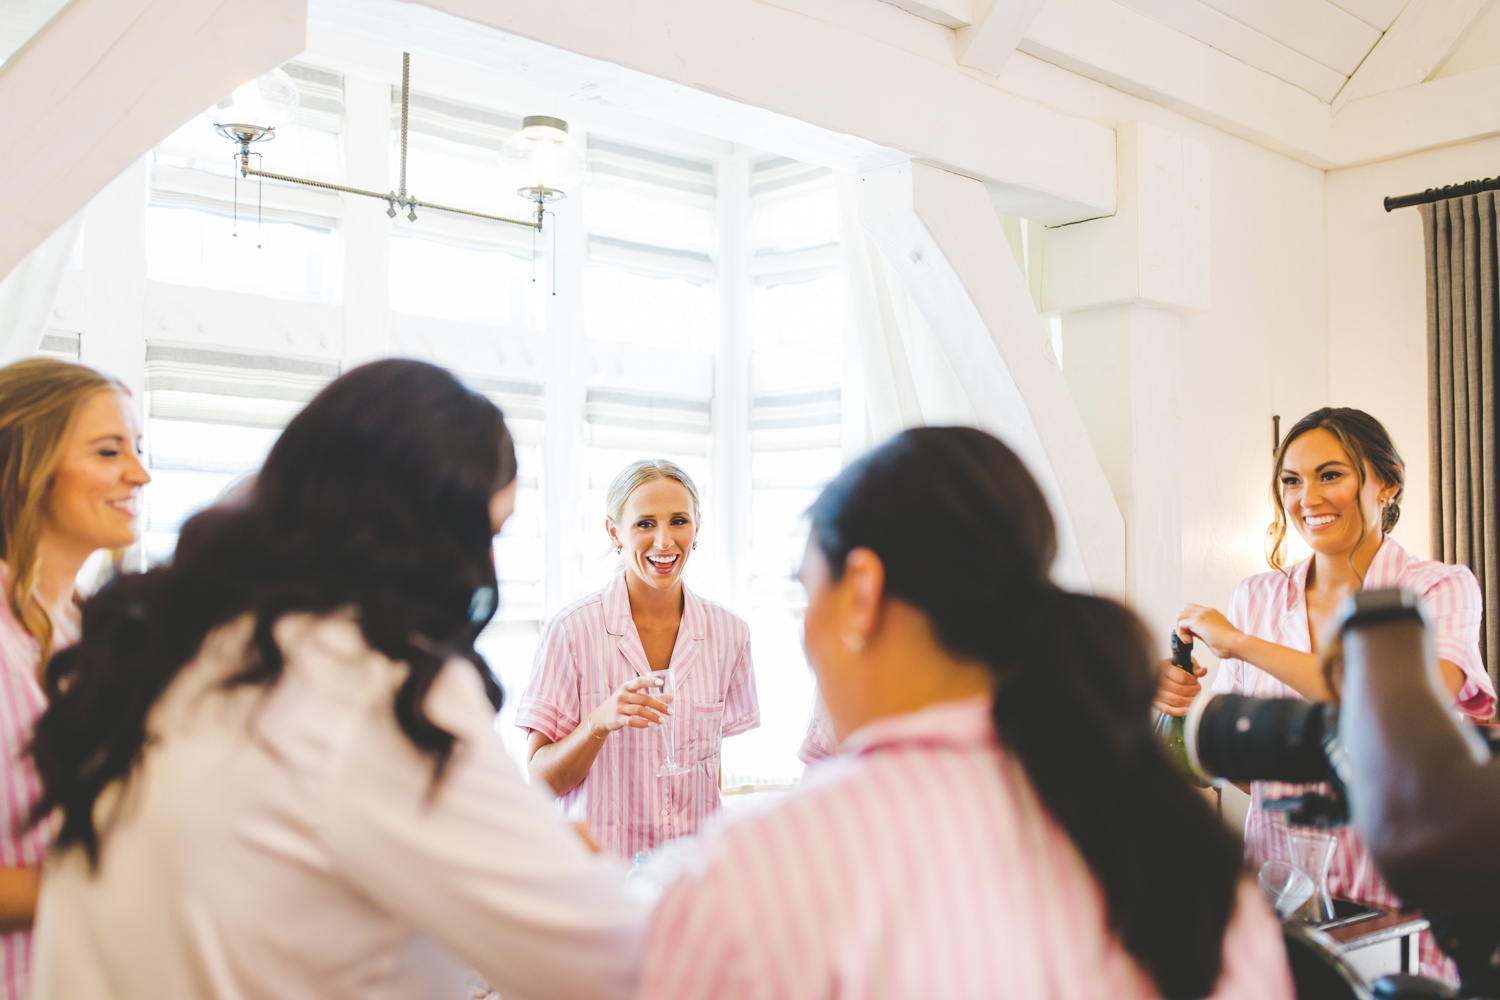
(1338, 481)
(602, 729)
(69, 481)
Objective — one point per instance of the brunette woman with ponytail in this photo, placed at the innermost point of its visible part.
(1339, 481)
(1000, 822)
(274, 759)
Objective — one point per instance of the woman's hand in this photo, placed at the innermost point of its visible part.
(628, 706)
(1210, 627)
(1176, 688)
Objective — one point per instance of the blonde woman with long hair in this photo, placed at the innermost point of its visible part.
(69, 482)
(594, 709)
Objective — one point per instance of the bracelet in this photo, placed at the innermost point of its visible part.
(595, 735)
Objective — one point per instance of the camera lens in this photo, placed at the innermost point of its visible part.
(1263, 739)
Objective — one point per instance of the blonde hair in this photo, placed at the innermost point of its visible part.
(39, 400)
(638, 474)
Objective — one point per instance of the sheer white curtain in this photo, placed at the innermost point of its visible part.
(907, 378)
(28, 293)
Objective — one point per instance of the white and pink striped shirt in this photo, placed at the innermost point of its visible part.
(818, 744)
(586, 653)
(918, 863)
(1273, 606)
(21, 702)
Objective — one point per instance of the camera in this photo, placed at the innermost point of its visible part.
(1238, 738)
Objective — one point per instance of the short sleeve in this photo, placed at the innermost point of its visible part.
(1454, 608)
(818, 743)
(552, 701)
(1231, 676)
(741, 704)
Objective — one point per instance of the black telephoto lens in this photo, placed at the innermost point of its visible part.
(1264, 739)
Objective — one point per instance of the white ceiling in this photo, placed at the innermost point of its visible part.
(1279, 72)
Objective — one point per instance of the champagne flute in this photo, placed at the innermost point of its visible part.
(669, 764)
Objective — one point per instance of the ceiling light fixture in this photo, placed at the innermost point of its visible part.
(542, 158)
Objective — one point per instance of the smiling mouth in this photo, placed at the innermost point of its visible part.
(663, 564)
(125, 506)
(1320, 520)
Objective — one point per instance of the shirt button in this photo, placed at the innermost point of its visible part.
(666, 812)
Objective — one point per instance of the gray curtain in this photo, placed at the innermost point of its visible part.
(1461, 330)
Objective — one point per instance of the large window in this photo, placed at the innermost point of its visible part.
(636, 355)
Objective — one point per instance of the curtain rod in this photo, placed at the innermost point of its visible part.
(1442, 194)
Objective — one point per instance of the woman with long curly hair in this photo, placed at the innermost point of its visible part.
(274, 759)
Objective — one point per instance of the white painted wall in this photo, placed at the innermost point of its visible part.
(1377, 303)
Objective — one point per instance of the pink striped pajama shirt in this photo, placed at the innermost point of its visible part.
(1273, 606)
(21, 702)
(586, 653)
(918, 863)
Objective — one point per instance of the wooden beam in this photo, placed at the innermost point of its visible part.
(1108, 42)
(758, 74)
(105, 81)
(1441, 112)
(1212, 27)
(1420, 39)
(1316, 28)
(999, 25)
(940, 236)
(948, 13)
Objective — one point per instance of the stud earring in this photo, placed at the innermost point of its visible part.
(854, 642)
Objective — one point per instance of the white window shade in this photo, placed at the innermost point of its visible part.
(59, 344)
(793, 207)
(211, 417)
(520, 548)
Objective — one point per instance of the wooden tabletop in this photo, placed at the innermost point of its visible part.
(1383, 926)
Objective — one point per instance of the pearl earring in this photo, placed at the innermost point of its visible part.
(854, 642)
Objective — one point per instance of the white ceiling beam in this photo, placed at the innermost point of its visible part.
(1441, 112)
(948, 13)
(1316, 28)
(1108, 42)
(105, 81)
(1212, 27)
(1420, 39)
(998, 26)
(773, 79)
(1378, 14)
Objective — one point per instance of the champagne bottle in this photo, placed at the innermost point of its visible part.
(1169, 728)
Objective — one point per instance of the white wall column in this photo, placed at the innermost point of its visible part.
(1122, 285)
(366, 229)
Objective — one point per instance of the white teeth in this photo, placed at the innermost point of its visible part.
(662, 560)
(1320, 520)
(127, 505)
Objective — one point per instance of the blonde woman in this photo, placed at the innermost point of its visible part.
(594, 704)
(69, 481)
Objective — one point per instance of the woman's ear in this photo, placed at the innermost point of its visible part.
(613, 533)
(864, 587)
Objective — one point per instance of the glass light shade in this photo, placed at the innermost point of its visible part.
(543, 155)
(268, 101)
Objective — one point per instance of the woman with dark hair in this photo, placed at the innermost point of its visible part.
(999, 821)
(274, 760)
(1338, 479)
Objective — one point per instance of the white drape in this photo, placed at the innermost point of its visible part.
(28, 293)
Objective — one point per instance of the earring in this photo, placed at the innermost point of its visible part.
(619, 549)
(854, 642)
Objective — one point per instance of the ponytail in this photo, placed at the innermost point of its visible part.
(966, 538)
(1075, 717)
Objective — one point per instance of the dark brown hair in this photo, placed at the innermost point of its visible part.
(375, 499)
(1366, 441)
(966, 538)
